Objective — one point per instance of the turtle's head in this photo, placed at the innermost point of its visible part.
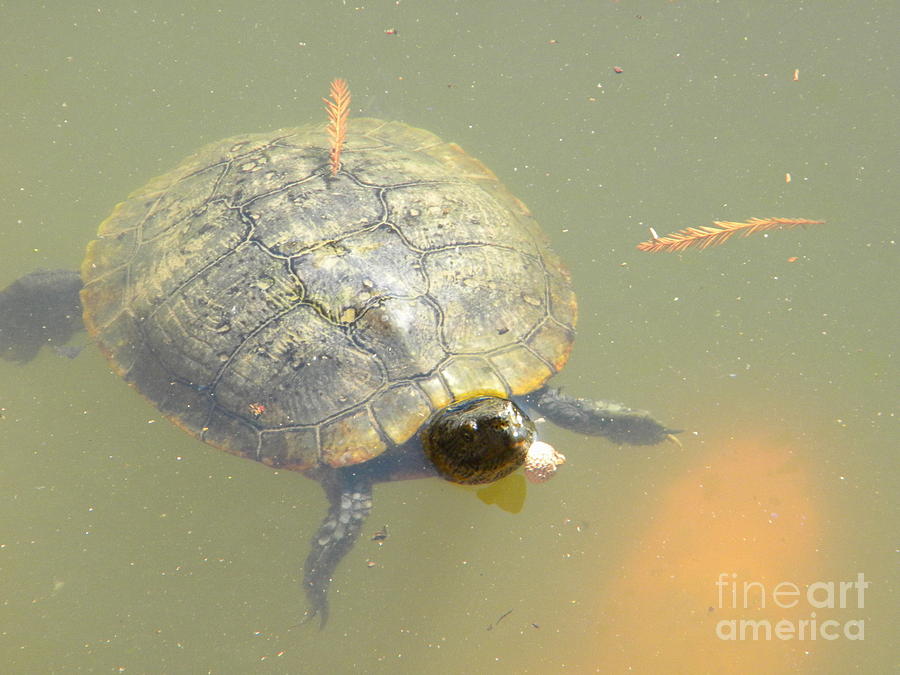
(477, 440)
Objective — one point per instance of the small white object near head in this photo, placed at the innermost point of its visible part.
(542, 462)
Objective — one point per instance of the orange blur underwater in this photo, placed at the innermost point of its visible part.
(745, 512)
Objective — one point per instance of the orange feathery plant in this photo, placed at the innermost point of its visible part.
(338, 112)
(704, 237)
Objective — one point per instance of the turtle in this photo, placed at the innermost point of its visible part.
(389, 314)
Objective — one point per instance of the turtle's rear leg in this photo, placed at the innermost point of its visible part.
(40, 308)
(350, 498)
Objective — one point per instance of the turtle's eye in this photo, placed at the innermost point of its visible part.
(520, 433)
(477, 440)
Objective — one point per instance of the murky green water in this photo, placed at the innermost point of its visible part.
(126, 545)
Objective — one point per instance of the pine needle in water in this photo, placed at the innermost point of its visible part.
(703, 237)
(338, 113)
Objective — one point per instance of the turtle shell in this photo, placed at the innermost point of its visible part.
(298, 318)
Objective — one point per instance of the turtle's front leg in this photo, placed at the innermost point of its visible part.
(350, 498)
(599, 418)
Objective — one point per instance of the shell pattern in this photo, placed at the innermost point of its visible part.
(302, 319)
